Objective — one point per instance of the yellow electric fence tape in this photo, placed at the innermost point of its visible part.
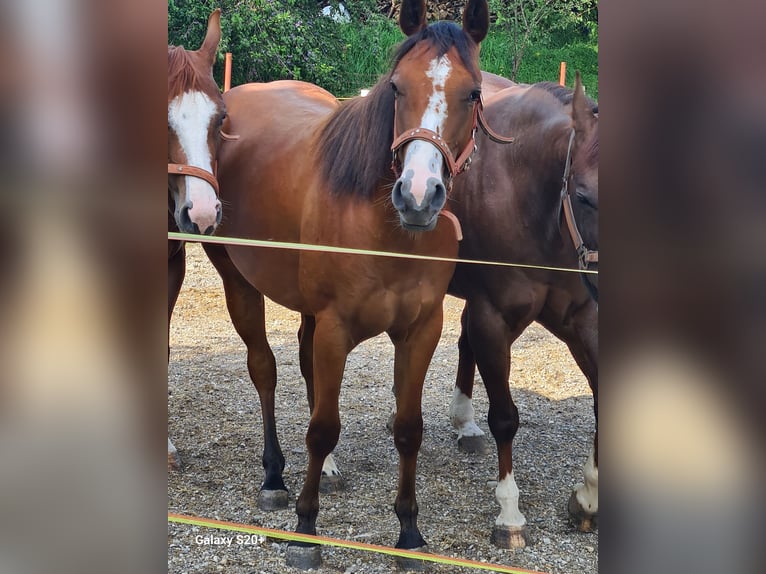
(330, 249)
(324, 540)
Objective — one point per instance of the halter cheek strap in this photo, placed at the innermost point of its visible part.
(585, 256)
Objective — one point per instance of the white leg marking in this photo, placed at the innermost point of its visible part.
(423, 159)
(328, 466)
(462, 415)
(507, 494)
(587, 494)
(189, 116)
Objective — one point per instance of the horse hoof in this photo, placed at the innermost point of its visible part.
(304, 557)
(330, 483)
(403, 563)
(583, 520)
(510, 536)
(473, 444)
(272, 500)
(174, 461)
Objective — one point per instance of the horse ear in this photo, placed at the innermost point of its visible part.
(476, 19)
(412, 16)
(582, 113)
(212, 37)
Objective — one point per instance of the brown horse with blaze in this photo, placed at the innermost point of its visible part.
(307, 169)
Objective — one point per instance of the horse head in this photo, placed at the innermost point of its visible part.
(437, 88)
(583, 183)
(195, 113)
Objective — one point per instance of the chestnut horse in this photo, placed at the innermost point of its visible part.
(306, 169)
(511, 209)
(195, 115)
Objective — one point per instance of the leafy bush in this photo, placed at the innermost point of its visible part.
(280, 39)
(268, 39)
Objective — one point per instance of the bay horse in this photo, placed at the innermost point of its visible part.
(512, 208)
(195, 114)
(307, 169)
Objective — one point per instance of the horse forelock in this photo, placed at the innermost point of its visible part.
(184, 75)
(354, 145)
(443, 36)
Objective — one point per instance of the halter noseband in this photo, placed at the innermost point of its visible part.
(454, 166)
(585, 256)
(183, 169)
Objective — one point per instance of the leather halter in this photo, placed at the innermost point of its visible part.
(454, 166)
(585, 256)
(183, 169)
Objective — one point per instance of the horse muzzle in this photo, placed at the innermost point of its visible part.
(418, 200)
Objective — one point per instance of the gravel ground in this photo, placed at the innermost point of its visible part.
(214, 421)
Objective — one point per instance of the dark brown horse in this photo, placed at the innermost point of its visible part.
(511, 210)
(195, 115)
(307, 169)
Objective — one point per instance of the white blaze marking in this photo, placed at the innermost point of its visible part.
(424, 159)
(462, 415)
(507, 494)
(587, 494)
(189, 116)
(329, 468)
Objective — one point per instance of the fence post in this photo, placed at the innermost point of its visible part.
(563, 74)
(227, 73)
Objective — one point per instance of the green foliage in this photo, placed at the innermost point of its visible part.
(268, 39)
(280, 39)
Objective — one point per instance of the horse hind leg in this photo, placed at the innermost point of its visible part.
(470, 438)
(247, 312)
(332, 479)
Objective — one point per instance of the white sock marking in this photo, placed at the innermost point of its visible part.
(507, 494)
(328, 466)
(462, 415)
(587, 494)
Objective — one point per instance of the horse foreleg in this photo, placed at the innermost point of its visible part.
(247, 312)
(176, 273)
(491, 339)
(470, 438)
(331, 347)
(331, 480)
(413, 352)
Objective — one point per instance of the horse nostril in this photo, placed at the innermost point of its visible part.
(396, 195)
(439, 197)
(185, 223)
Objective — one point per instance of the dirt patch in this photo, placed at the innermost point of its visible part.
(214, 421)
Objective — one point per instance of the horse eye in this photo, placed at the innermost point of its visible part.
(394, 88)
(475, 96)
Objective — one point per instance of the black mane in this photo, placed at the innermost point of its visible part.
(564, 94)
(354, 145)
